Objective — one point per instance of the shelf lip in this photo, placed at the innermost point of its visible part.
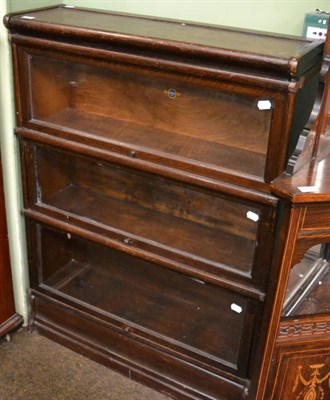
(148, 153)
(205, 68)
(135, 331)
(292, 193)
(172, 37)
(227, 283)
(302, 319)
(246, 192)
(310, 183)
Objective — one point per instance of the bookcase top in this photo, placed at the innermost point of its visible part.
(292, 56)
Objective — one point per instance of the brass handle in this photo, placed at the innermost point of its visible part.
(172, 93)
(128, 241)
(132, 153)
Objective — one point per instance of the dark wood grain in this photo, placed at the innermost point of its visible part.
(140, 139)
(184, 222)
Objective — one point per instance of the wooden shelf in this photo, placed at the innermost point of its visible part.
(212, 152)
(211, 246)
(181, 222)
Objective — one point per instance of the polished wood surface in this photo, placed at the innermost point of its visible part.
(287, 55)
(162, 229)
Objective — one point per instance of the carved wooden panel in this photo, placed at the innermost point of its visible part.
(307, 329)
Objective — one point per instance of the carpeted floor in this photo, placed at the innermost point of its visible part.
(35, 368)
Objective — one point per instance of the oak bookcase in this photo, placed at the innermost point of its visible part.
(161, 225)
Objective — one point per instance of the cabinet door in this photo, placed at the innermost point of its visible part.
(199, 322)
(202, 125)
(188, 226)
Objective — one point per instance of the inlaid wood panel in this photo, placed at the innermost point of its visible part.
(303, 371)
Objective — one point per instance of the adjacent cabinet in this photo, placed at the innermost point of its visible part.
(161, 231)
(9, 319)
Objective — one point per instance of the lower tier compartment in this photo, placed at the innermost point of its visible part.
(201, 323)
(95, 339)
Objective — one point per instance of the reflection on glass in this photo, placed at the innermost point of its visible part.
(156, 213)
(308, 289)
(148, 297)
(166, 113)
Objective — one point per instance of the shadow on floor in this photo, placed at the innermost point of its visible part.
(35, 368)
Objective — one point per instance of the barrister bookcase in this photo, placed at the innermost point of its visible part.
(160, 234)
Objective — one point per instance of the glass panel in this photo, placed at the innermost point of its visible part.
(191, 224)
(204, 320)
(308, 289)
(153, 111)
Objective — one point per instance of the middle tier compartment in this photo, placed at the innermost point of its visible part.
(149, 213)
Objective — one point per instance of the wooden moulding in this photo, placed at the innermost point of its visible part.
(304, 328)
(172, 170)
(225, 45)
(11, 324)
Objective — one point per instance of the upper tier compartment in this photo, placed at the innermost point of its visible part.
(174, 117)
(211, 101)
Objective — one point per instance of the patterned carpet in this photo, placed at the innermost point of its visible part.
(35, 368)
